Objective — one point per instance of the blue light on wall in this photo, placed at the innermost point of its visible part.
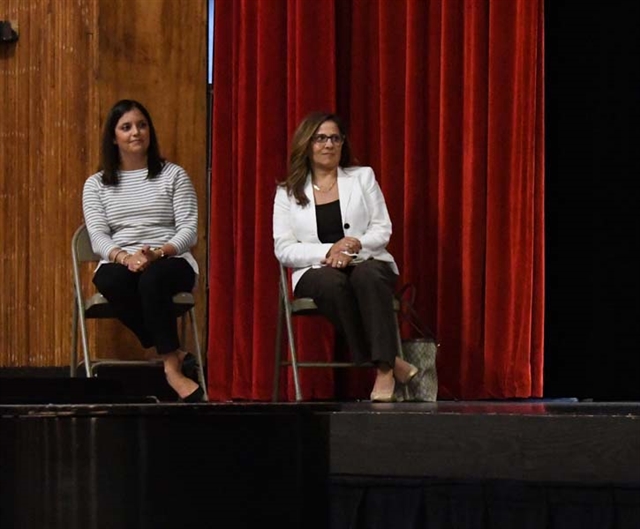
(210, 42)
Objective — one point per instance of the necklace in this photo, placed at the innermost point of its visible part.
(318, 188)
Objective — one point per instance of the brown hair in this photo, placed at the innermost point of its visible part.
(299, 160)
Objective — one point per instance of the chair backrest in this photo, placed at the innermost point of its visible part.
(81, 250)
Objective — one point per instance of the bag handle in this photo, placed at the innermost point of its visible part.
(413, 318)
(412, 291)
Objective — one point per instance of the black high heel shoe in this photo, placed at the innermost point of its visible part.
(190, 367)
(196, 395)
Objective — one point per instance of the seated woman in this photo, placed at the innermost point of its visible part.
(331, 226)
(141, 213)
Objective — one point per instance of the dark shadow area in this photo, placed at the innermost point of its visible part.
(592, 316)
(112, 384)
(474, 464)
(59, 390)
(163, 466)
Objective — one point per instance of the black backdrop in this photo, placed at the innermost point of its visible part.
(592, 331)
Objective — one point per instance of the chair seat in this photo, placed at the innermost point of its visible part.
(97, 306)
(303, 306)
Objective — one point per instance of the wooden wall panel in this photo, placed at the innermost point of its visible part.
(73, 60)
(49, 110)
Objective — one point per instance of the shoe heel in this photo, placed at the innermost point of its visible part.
(407, 377)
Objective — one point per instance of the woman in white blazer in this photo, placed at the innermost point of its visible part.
(331, 227)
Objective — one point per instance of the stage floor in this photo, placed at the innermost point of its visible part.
(110, 464)
(531, 440)
(526, 440)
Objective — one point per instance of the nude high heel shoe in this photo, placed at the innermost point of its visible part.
(403, 371)
(383, 396)
(378, 395)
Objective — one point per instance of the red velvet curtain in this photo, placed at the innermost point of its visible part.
(445, 100)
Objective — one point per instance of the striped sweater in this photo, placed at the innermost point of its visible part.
(139, 211)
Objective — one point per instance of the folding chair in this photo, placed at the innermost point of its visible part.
(289, 306)
(97, 307)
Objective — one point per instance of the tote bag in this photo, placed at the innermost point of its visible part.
(422, 352)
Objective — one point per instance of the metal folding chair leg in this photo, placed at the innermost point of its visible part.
(73, 364)
(278, 363)
(198, 351)
(293, 355)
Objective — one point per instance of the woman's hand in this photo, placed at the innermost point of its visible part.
(349, 245)
(342, 252)
(337, 260)
(136, 262)
(139, 261)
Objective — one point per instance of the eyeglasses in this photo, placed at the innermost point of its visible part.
(336, 139)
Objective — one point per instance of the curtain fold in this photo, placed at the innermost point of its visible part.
(444, 99)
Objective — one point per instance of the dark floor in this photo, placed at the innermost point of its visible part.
(85, 453)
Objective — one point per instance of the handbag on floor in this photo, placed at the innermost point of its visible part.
(422, 352)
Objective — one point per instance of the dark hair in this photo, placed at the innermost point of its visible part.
(299, 159)
(109, 152)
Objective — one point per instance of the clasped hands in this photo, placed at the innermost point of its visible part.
(342, 252)
(139, 261)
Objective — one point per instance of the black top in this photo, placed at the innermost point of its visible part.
(329, 222)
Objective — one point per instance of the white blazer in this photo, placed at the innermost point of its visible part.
(364, 216)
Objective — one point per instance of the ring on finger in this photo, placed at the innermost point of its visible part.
(339, 263)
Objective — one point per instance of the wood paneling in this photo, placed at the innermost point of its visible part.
(73, 60)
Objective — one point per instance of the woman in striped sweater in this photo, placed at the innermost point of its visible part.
(141, 214)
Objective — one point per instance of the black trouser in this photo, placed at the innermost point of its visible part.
(143, 300)
(358, 300)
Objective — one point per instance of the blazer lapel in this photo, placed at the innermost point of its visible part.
(345, 189)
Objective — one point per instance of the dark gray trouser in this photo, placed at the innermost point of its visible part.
(358, 301)
(143, 301)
